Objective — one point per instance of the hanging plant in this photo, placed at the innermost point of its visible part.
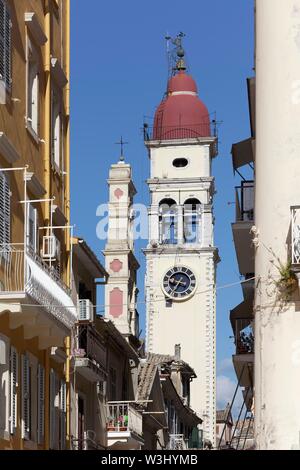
(287, 284)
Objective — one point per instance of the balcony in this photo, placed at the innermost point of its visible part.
(89, 354)
(243, 359)
(124, 425)
(241, 228)
(177, 442)
(26, 279)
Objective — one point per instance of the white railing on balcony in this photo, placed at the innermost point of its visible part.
(177, 442)
(295, 235)
(22, 272)
(12, 273)
(124, 417)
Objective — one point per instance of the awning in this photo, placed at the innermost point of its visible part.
(244, 311)
(251, 82)
(242, 153)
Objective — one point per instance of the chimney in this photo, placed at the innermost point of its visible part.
(177, 352)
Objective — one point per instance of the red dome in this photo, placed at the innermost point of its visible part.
(181, 115)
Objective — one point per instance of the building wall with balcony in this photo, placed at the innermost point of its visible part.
(35, 323)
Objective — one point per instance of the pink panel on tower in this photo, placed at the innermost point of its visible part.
(116, 302)
(116, 265)
(118, 193)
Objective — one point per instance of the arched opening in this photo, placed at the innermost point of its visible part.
(168, 222)
(192, 221)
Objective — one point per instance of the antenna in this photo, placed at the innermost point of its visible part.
(175, 55)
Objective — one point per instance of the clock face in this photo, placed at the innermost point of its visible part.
(179, 283)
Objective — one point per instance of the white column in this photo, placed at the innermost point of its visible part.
(277, 324)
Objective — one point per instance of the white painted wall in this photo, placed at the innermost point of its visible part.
(277, 327)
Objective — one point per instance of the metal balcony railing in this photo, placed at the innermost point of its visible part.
(123, 417)
(177, 442)
(89, 345)
(181, 131)
(244, 338)
(24, 272)
(244, 202)
(12, 273)
(295, 236)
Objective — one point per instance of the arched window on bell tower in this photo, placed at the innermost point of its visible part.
(168, 222)
(192, 221)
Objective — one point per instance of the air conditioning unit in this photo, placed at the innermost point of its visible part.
(51, 247)
(85, 310)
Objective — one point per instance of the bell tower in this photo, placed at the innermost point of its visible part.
(120, 262)
(181, 257)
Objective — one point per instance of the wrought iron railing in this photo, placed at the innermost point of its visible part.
(124, 417)
(12, 272)
(295, 236)
(244, 338)
(23, 272)
(181, 131)
(177, 442)
(244, 199)
(89, 345)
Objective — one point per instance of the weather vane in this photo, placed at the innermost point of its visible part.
(122, 144)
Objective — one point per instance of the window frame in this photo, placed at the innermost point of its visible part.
(32, 65)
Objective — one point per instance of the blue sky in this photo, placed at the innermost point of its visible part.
(118, 76)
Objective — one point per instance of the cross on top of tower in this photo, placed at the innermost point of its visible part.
(122, 144)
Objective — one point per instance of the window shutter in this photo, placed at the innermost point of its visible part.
(41, 403)
(26, 398)
(5, 44)
(63, 414)
(52, 405)
(13, 389)
(4, 208)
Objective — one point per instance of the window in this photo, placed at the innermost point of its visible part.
(168, 222)
(56, 139)
(180, 162)
(5, 44)
(192, 217)
(4, 209)
(33, 88)
(32, 228)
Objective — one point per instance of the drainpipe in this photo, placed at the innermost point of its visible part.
(47, 115)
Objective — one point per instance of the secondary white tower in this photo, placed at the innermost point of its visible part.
(120, 262)
(181, 257)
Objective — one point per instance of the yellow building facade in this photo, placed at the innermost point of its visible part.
(37, 312)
